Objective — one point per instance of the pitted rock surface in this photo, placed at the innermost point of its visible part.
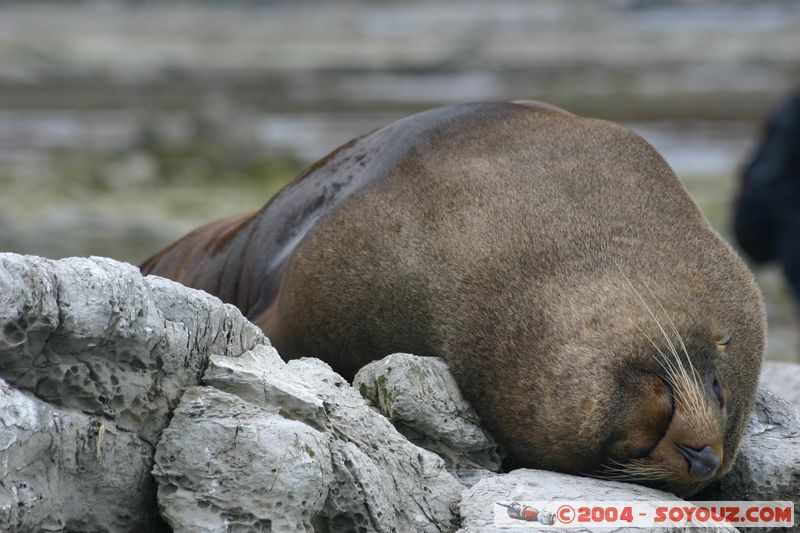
(268, 444)
(93, 358)
(95, 335)
(61, 469)
(422, 399)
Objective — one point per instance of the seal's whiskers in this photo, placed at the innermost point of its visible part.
(632, 471)
(699, 399)
(685, 381)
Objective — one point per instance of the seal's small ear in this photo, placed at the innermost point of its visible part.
(722, 344)
(542, 106)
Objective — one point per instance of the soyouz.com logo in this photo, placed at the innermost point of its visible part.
(647, 514)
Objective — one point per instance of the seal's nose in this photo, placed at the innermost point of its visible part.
(702, 463)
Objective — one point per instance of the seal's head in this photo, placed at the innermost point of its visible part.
(672, 423)
(652, 390)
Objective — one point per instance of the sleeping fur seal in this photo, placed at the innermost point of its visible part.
(586, 308)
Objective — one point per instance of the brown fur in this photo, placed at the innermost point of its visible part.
(555, 262)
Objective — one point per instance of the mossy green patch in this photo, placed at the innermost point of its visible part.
(309, 450)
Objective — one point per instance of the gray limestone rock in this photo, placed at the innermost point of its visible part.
(421, 398)
(479, 503)
(331, 464)
(283, 393)
(61, 469)
(93, 358)
(378, 474)
(225, 464)
(768, 464)
(95, 335)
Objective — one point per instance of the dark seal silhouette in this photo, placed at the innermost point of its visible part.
(766, 219)
(586, 308)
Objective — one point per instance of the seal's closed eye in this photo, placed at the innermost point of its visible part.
(645, 452)
(646, 416)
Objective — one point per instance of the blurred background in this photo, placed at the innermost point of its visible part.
(124, 124)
